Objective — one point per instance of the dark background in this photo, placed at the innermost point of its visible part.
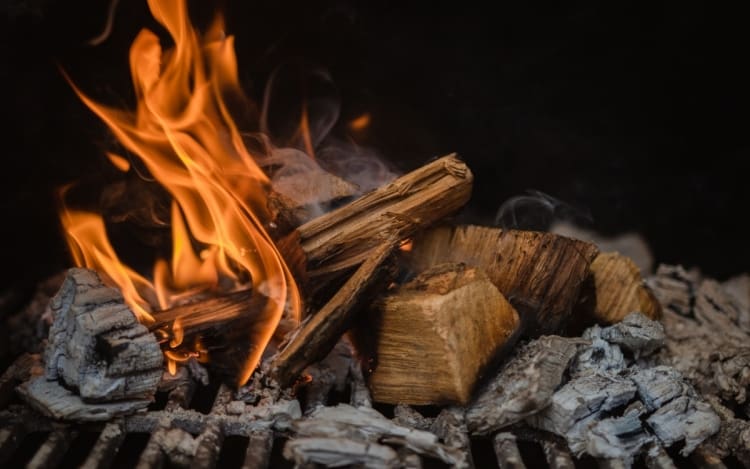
(637, 115)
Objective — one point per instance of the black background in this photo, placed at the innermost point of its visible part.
(636, 114)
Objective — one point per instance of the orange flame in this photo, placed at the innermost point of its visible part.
(183, 133)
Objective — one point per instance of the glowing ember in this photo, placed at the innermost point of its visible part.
(183, 133)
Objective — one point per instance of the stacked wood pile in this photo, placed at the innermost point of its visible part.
(434, 310)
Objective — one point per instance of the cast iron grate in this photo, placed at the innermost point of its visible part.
(175, 433)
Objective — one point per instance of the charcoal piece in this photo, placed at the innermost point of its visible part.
(684, 418)
(524, 386)
(619, 437)
(636, 333)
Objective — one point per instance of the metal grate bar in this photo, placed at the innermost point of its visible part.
(258, 453)
(612, 464)
(212, 438)
(153, 456)
(557, 456)
(657, 458)
(10, 438)
(506, 451)
(705, 460)
(52, 450)
(106, 447)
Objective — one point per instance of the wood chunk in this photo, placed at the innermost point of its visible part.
(540, 273)
(580, 403)
(345, 237)
(621, 437)
(302, 196)
(463, 321)
(53, 400)
(318, 334)
(619, 289)
(524, 386)
(684, 418)
(96, 344)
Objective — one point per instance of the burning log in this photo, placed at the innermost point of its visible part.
(98, 348)
(344, 238)
(618, 290)
(318, 334)
(463, 322)
(541, 274)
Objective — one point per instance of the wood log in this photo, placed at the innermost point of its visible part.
(541, 274)
(462, 320)
(98, 348)
(618, 290)
(343, 238)
(319, 333)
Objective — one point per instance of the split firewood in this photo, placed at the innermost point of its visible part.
(616, 289)
(343, 238)
(524, 386)
(97, 347)
(463, 322)
(541, 274)
(318, 333)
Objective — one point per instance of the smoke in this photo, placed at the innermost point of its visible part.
(538, 211)
(300, 116)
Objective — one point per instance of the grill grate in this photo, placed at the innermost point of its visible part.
(177, 434)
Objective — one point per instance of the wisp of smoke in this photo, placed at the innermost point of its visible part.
(537, 211)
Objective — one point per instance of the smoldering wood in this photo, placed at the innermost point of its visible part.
(617, 289)
(506, 451)
(339, 452)
(657, 458)
(450, 427)
(524, 385)
(343, 238)
(53, 400)
(557, 455)
(657, 400)
(301, 196)
(707, 333)
(367, 425)
(464, 322)
(359, 393)
(96, 344)
(318, 333)
(540, 273)
(733, 437)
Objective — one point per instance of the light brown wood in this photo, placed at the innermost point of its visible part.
(345, 237)
(437, 334)
(541, 274)
(318, 333)
(619, 289)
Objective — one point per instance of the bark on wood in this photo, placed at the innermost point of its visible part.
(318, 333)
(463, 322)
(96, 344)
(345, 237)
(540, 273)
(619, 290)
(369, 426)
(524, 386)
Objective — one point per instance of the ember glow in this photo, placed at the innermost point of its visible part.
(182, 132)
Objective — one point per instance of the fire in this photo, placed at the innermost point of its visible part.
(182, 131)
